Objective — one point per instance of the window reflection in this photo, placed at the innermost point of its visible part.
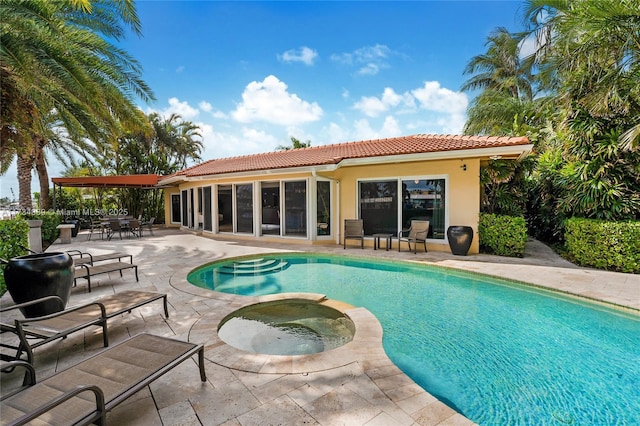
(379, 206)
(424, 200)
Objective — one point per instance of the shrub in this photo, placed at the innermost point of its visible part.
(604, 244)
(502, 235)
(13, 236)
(50, 220)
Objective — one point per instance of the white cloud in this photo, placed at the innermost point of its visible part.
(335, 134)
(371, 59)
(269, 101)
(246, 141)
(433, 97)
(303, 54)
(373, 106)
(205, 106)
(180, 69)
(369, 69)
(363, 129)
(186, 111)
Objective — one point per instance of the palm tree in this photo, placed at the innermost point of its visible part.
(590, 51)
(56, 58)
(171, 145)
(501, 68)
(506, 105)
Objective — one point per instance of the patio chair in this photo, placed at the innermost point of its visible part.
(149, 226)
(30, 333)
(96, 226)
(417, 233)
(85, 392)
(114, 226)
(353, 230)
(135, 228)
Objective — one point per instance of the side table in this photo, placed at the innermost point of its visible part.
(376, 241)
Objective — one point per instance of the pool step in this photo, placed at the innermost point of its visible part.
(253, 267)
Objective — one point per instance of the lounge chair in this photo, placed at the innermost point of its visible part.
(87, 271)
(417, 233)
(34, 332)
(82, 257)
(353, 230)
(85, 392)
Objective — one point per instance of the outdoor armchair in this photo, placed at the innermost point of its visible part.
(417, 233)
(353, 230)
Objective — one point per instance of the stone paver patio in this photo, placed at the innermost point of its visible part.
(353, 385)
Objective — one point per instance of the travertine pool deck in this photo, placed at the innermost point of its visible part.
(353, 385)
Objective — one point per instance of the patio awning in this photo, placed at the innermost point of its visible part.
(127, 181)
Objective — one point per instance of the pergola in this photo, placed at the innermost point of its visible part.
(149, 181)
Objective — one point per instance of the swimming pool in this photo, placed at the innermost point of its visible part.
(500, 353)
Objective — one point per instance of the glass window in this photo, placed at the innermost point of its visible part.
(244, 208)
(379, 206)
(175, 208)
(270, 208)
(295, 208)
(323, 213)
(208, 220)
(225, 208)
(424, 199)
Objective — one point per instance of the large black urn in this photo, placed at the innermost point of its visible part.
(460, 238)
(39, 275)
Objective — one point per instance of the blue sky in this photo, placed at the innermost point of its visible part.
(253, 74)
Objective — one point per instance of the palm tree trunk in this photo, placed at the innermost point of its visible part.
(25, 165)
(43, 176)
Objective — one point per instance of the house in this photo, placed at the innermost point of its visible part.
(304, 195)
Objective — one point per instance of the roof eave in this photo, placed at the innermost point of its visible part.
(515, 151)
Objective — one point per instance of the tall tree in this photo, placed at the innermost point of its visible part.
(57, 58)
(589, 60)
(171, 145)
(505, 104)
(589, 54)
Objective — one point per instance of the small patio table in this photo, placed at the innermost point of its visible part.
(387, 239)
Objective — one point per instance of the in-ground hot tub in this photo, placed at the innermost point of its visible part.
(286, 327)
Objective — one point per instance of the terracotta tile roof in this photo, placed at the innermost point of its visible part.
(333, 154)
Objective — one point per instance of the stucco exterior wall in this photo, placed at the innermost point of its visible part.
(462, 193)
(463, 190)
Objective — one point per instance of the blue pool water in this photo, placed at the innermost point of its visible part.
(499, 353)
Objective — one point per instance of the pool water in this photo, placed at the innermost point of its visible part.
(499, 353)
(286, 327)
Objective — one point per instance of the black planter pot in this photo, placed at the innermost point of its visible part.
(39, 275)
(76, 228)
(460, 238)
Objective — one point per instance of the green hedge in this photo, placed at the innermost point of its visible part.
(604, 245)
(50, 221)
(502, 235)
(14, 234)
